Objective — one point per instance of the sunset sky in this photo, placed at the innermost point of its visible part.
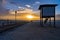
(25, 6)
(32, 4)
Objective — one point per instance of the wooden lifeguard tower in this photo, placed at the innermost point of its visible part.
(47, 11)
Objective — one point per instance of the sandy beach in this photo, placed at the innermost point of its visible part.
(32, 31)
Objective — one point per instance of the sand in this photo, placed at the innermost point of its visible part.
(32, 31)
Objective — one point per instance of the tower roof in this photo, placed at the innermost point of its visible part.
(47, 5)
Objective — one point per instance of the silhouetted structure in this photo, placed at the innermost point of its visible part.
(47, 11)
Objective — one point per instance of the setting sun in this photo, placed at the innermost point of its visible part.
(29, 16)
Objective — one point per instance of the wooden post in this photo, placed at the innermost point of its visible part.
(50, 21)
(15, 15)
(54, 18)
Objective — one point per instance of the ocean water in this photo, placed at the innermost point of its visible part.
(57, 23)
(6, 22)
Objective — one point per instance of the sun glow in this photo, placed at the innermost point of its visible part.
(29, 16)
